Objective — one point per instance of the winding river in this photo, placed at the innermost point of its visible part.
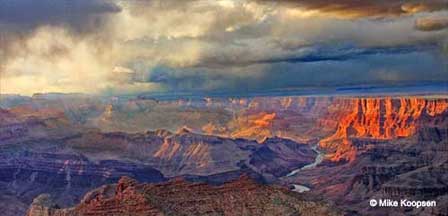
(319, 158)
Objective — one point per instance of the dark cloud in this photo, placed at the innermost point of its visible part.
(80, 15)
(368, 8)
(376, 67)
(19, 20)
(315, 53)
(431, 24)
(214, 46)
(346, 53)
(182, 79)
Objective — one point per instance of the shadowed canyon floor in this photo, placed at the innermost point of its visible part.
(68, 145)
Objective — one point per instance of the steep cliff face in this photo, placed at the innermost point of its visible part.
(379, 119)
(240, 197)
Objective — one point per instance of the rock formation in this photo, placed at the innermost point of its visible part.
(375, 147)
(48, 153)
(240, 197)
(383, 151)
(379, 119)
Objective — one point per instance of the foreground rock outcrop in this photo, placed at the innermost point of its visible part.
(178, 197)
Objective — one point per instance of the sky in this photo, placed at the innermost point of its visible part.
(227, 46)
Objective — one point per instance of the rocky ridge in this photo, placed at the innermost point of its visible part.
(239, 197)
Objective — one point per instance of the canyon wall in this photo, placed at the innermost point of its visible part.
(380, 119)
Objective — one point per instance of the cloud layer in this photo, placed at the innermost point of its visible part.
(80, 15)
(366, 8)
(431, 24)
(234, 46)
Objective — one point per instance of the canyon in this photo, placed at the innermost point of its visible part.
(370, 147)
(44, 153)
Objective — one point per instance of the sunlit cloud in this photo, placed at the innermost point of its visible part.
(132, 46)
(353, 9)
(432, 24)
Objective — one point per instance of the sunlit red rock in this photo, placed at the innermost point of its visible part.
(379, 118)
(257, 125)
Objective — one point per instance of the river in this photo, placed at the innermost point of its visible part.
(319, 158)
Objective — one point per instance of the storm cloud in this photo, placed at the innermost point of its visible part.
(20, 21)
(80, 15)
(133, 46)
